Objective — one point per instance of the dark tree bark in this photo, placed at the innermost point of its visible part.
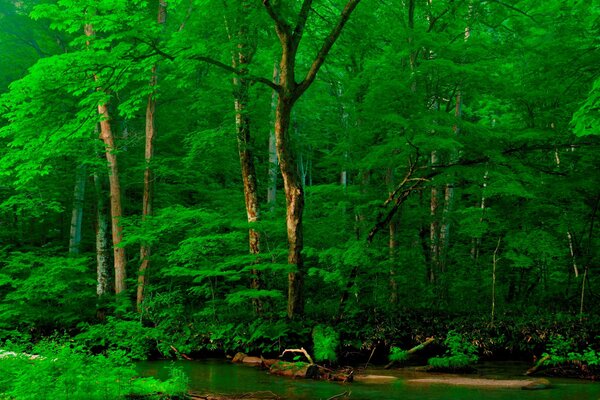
(289, 91)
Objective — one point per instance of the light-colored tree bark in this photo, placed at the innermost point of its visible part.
(246, 154)
(102, 242)
(116, 209)
(77, 214)
(241, 57)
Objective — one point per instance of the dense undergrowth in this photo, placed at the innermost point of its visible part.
(95, 361)
(62, 369)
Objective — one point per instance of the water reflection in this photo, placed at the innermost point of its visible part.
(216, 376)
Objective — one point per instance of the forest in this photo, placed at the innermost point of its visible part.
(194, 178)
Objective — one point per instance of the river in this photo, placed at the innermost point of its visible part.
(217, 376)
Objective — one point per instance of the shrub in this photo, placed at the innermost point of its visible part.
(65, 371)
(397, 354)
(326, 341)
(460, 354)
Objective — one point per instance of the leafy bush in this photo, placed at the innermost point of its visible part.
(326, 341)
(397, 354)
(64, 371)
(460, 354)
(562, 350)
(44, 292)
(128, 336)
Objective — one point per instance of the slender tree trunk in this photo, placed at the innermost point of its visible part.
(240, 59)
(148, 195)
(434, 232)
(273, 163)
(476, 242)
(102, 242)
(294, 195)
(392, 244)
(77, 214)
(116, 210)
(246, 153)
(495, 259)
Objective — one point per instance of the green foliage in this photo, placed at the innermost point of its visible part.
(44, 291)
(397, 354)
(61, 370)
(461, 353)
(326, 342)
(506, 138)
(563, 350)
(119, 335)
(586, 121)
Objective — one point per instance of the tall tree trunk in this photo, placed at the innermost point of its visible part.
(77, 214)
(148, 195)
(392, 243)
(241, 57)
(116, 210)
(273, 163)
(246, 153)
(102, 243)
(434, 228)
(288, 92)
(294, 195)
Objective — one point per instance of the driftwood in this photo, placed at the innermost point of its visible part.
(414, 350)
(300, 350)
(181, 354)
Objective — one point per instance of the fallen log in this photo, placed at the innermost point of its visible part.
(310, 371)
(538, 365)
(418, 347)
(295, 369)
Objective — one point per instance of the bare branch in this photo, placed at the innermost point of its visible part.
(329, 42)
(300, 350)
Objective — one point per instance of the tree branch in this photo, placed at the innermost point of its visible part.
(329, 42)
(236, 71)
(302, 18)
(511, 7)
(281, 25)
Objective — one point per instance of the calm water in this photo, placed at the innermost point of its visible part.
(216, 376)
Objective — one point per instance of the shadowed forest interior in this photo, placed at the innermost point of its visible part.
(186, 178)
